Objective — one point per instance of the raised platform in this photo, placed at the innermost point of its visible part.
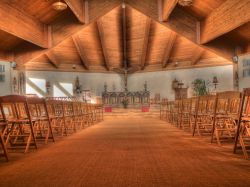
(154, 112)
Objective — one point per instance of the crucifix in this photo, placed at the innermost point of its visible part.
(125, 70)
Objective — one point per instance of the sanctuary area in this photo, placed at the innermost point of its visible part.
(124, 93)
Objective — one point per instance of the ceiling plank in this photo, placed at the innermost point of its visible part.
(52, 58)
(78, 9)
(168, 7)
(102, 40)
(80, 50)
(197, 55)
(168, 49)
(227, 17)
(22, 25)
(183, 24)
(145, 43)
(63, 28)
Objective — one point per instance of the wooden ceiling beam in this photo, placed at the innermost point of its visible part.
(21, 25)
(169, 49)
(227, 17)
(197, 55)
(63, 28)
(145, 43)
(78, 8)
(102, 40)
(168, 7)
(80, 51)
(183, 24)
(52, 58)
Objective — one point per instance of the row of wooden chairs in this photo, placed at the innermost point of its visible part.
(25, 121)
(224, 117)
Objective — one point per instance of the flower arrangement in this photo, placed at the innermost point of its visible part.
(125, 102)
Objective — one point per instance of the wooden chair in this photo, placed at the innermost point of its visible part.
(3, 128)
(185, 114)
(163, 110)
(193, 112)
(39, 114)
(243, 124)
(204, 116)
(176, 112)
(225, 115)
(170, 111)
(68, 117)
(16, 114)
(55, 112)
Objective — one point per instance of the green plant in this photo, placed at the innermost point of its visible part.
(200, 87)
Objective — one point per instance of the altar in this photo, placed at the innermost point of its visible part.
(134, 99)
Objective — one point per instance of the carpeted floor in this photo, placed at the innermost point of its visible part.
(128, 152)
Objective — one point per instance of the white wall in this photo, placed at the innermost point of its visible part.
(158, 82)
(161, 82)
(89, 81)
(244, 82)
(5, 87)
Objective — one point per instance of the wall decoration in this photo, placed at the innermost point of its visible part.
(2, 73)
(246, 68)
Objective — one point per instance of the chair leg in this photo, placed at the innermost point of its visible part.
(243, 147)
(4, 147)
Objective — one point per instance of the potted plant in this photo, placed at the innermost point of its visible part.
(200, 87)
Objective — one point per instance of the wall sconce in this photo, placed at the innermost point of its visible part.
(215, 82)
(15, 85)
(47, 87)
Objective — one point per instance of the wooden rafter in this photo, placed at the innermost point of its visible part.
(168, 7)
(80, 51)
(124, 37)
(230, 15)
(78, 8)
(168, 49)
(102, 40)
(145, 42)
(52, 58)
(21, 25)
(197, 55)
(65, 28)
(183, 24)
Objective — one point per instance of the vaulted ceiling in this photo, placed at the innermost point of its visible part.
(100, 36)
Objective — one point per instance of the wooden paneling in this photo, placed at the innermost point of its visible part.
(158, 40)
(8, 41)
(168, 7)
(89, 39)
(40, 9)
(110, 30)
(230, 15)
(23, 26)
(78, 8)
(202, 8)
(136, 27)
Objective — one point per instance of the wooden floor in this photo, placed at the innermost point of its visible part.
(128, 152)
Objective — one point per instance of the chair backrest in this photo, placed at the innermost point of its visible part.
(37, 107)
(14, 107)
(246, 103)
(228, 102)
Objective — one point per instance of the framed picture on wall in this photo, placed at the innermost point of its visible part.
(2, 77)
(2, 68)
(246, 67)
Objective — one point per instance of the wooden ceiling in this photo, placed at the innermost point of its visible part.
(90, 36)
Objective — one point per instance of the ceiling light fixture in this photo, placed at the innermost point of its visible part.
(185, 2)
(59, 6)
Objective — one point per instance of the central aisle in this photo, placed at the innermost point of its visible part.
(128, 152)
